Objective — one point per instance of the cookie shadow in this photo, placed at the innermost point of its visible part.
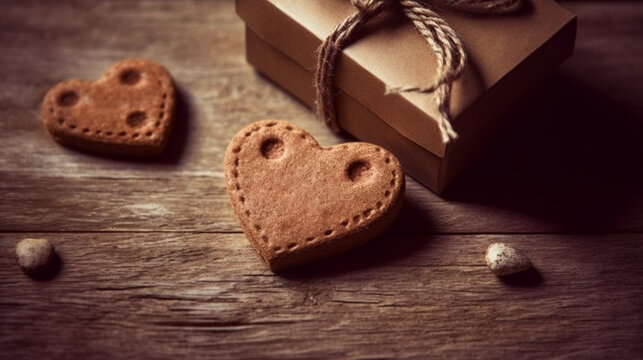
(179, 136)
(395, 244)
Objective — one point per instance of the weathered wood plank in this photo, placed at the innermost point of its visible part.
(221, 93)
(154, 266)
(207, 295)
(196, 204)
(543, 177)
(548, 174)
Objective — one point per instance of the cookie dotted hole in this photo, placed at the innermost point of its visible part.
(272, 148)
(130, 77)
(61, 121)
(310, 239)
(264, 238)
(344, 223)
(367, 212)
(359, 170)
(68, 98)
(291, 246)
(328, 232)
(136, 119)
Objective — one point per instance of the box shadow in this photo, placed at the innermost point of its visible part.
(571, 155)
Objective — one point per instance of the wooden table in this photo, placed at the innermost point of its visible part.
(154, 264)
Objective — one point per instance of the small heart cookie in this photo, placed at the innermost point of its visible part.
(129, 110)
(298, 202)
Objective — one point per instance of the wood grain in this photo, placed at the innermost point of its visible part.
(164, 294)
(154, 264)
(50, 203)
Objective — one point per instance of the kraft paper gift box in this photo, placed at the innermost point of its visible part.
(507, 54)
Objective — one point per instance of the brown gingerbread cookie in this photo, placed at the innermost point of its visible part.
(299, 202)
(129, 110)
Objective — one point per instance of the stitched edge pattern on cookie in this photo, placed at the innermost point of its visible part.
(130, 75)
(345, 224)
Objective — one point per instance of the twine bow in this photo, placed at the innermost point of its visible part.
(443, 40)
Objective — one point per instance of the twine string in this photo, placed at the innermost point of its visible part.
(439, 35)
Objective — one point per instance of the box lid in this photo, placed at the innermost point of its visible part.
(389, 51)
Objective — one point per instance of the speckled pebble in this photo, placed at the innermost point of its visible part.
(502, 259)
(34, 255)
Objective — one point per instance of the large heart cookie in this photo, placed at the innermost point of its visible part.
(129, 110)
(299, 202)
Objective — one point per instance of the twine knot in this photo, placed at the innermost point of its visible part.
(440, 36)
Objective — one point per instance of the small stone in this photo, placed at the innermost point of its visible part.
(35, 255)
(502, 259)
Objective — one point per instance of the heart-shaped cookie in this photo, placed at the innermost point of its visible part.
(299, 202)
(129, 110)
